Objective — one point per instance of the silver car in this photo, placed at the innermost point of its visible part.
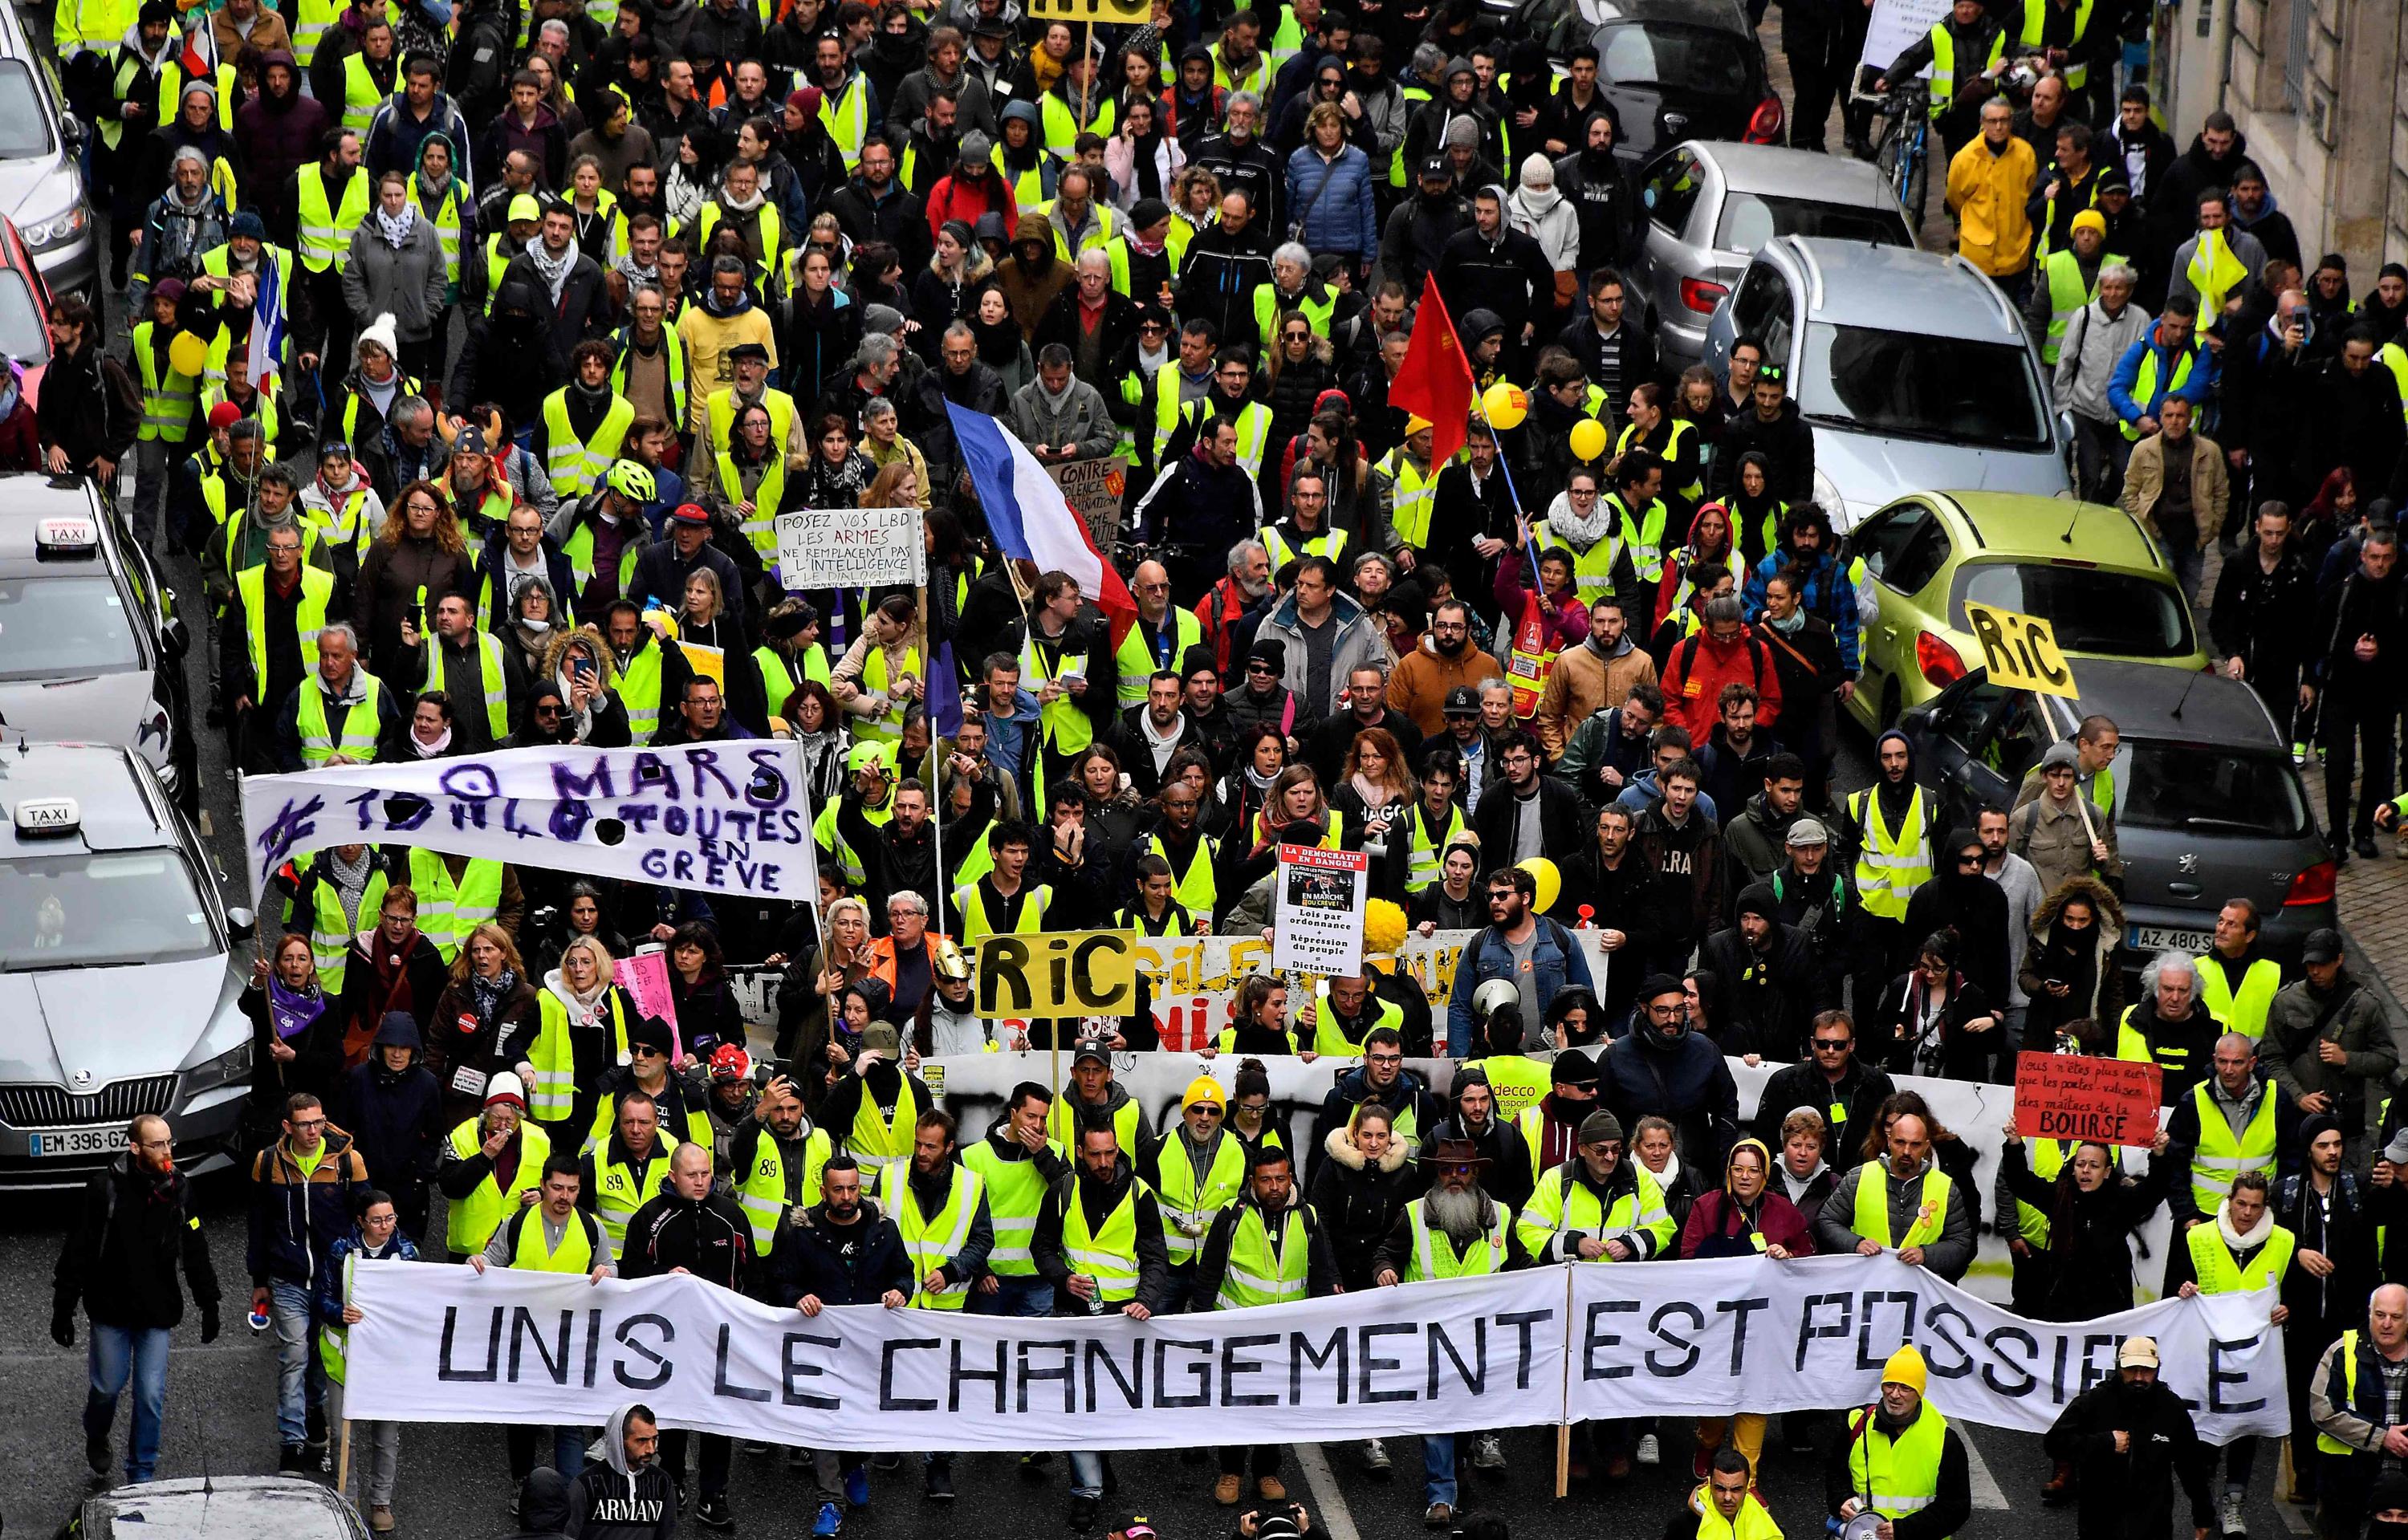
(1912, 369)
(90, 650)
(119, 980)
(1711, 205)
(41, 179)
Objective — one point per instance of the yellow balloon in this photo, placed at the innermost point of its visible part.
(1505, 404)
(1588, 438)
(188, 354)
(1551, 882)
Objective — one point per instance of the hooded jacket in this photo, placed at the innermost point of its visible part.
(1719, 1225)
(1498, 1140)
(2129, 1494)
(1409, 1090)
(1699, 666)
(1506, 272)
(1682, 1080)
(812, 1258)
(296, 1215)
(279, 136)
(1357, 643)
(394, 1117)
(1357, 1201)
(1772, 997)
(610, 1500)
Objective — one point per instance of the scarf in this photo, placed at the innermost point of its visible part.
(553, 270)
(487, 992)
(1374, 795)
(1667, 1178)
(1578, 532)
(397, 229)
(999, 343)
(585, 1011)
(391, 963)
(2249, 1240)
(735, 204)
(1258, 781)
(1790, 627)
(293, 1013)
(431, 751)
(350, 881)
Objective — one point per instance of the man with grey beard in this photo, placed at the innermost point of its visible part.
(1455, 1231)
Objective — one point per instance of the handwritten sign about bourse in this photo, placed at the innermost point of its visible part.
(2077, 1096)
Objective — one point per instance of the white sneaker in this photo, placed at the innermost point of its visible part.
(1487, 1454)
(1375, 1455)
(1649, 1451)
(2228, 1515)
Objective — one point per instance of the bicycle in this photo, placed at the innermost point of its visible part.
(1903, 152)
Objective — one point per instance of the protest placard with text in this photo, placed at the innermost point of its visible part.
(1057, 973)
(2082, 1096)
(851, 547)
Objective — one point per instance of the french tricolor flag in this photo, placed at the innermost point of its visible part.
(1030, 519)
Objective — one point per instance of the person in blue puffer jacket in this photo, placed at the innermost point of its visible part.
(1329, 190)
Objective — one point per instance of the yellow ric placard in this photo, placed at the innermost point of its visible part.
(2020, 650)
(1057, 973)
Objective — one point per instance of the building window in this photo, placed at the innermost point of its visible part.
(2301, 28)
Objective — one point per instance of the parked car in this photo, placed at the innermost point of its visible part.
(208, 1507)
(1712, 206)
(1674, 69)
(91, 648)
(2208, 806)
(1912, 369)
(120, 971)
(2099, 578)
(41, 177)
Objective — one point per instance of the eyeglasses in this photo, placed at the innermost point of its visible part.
(547, 711)
(1264, 669)
(312, 1126)
(1154, 588)
(646, 1050)
(1206, 1112)
(1385, 1058)
(1832, 1044)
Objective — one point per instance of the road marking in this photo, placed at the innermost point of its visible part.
(2298, 1520)
(1331, 1515)
(1986, 1492)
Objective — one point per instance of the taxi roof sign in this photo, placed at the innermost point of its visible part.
(48, 816)
(68, 536)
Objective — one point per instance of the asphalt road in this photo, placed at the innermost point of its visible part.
(453, 1478)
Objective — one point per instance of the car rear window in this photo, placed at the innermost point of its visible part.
(2202, 787)
(64, 628)
(1750, 220)
(2111, 613)
(1657, 54)
(1909, 384)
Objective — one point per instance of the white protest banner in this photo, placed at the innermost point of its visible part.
(1699, 1339)
(1317, 915)
(442, 1344)
(729, 818)
(851, 547)
(1094, 489)
(1896, 24)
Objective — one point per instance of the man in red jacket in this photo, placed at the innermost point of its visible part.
(1723, 652)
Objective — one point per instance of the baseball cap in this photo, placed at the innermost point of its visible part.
(2137, 1353)
(1091, 1048)
(882, 1037)
(524, 206)
(1462, 701)
(1436, 167)
(689, 513)
(2322, 946)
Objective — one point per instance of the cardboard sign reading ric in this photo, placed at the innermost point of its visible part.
(2076, 1096)
(1059, 973)
(2020, 650)
(1126, 13)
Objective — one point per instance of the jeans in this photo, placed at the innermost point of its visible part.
(375, 1450)
(2100, 452)
(120, 1354)
(1438, 1469)
(300, 1379)
(567, 1449)
(1086, 1474)
(1019, 1298)
(2348, 726)
(2189, 562)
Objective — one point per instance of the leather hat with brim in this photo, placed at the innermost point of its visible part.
(1453, 1153)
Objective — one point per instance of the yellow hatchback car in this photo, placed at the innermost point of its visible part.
(2091, 571)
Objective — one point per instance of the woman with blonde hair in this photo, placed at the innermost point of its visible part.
(484, 1021)
(582, 1019)
(827, 970)
(896, 485)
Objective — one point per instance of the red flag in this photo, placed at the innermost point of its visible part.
(1436, 379)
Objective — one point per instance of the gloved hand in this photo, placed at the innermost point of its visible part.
(210, 1321)
(63, 1327)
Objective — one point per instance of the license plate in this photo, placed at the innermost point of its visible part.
(2155, 938)
(52, 1143)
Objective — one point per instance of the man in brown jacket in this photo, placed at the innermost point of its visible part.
(2176, 485)
(1593, 676)
(1445, 660)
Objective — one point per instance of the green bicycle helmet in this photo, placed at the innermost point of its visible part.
(631, 481)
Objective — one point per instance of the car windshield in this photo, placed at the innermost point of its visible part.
(2202, 787)
(1912, 385)
(1750, 220)
(1657, 54)
(25, 127)
(23, 335)
(64, 627)
(81, 910)
(2108, 614)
